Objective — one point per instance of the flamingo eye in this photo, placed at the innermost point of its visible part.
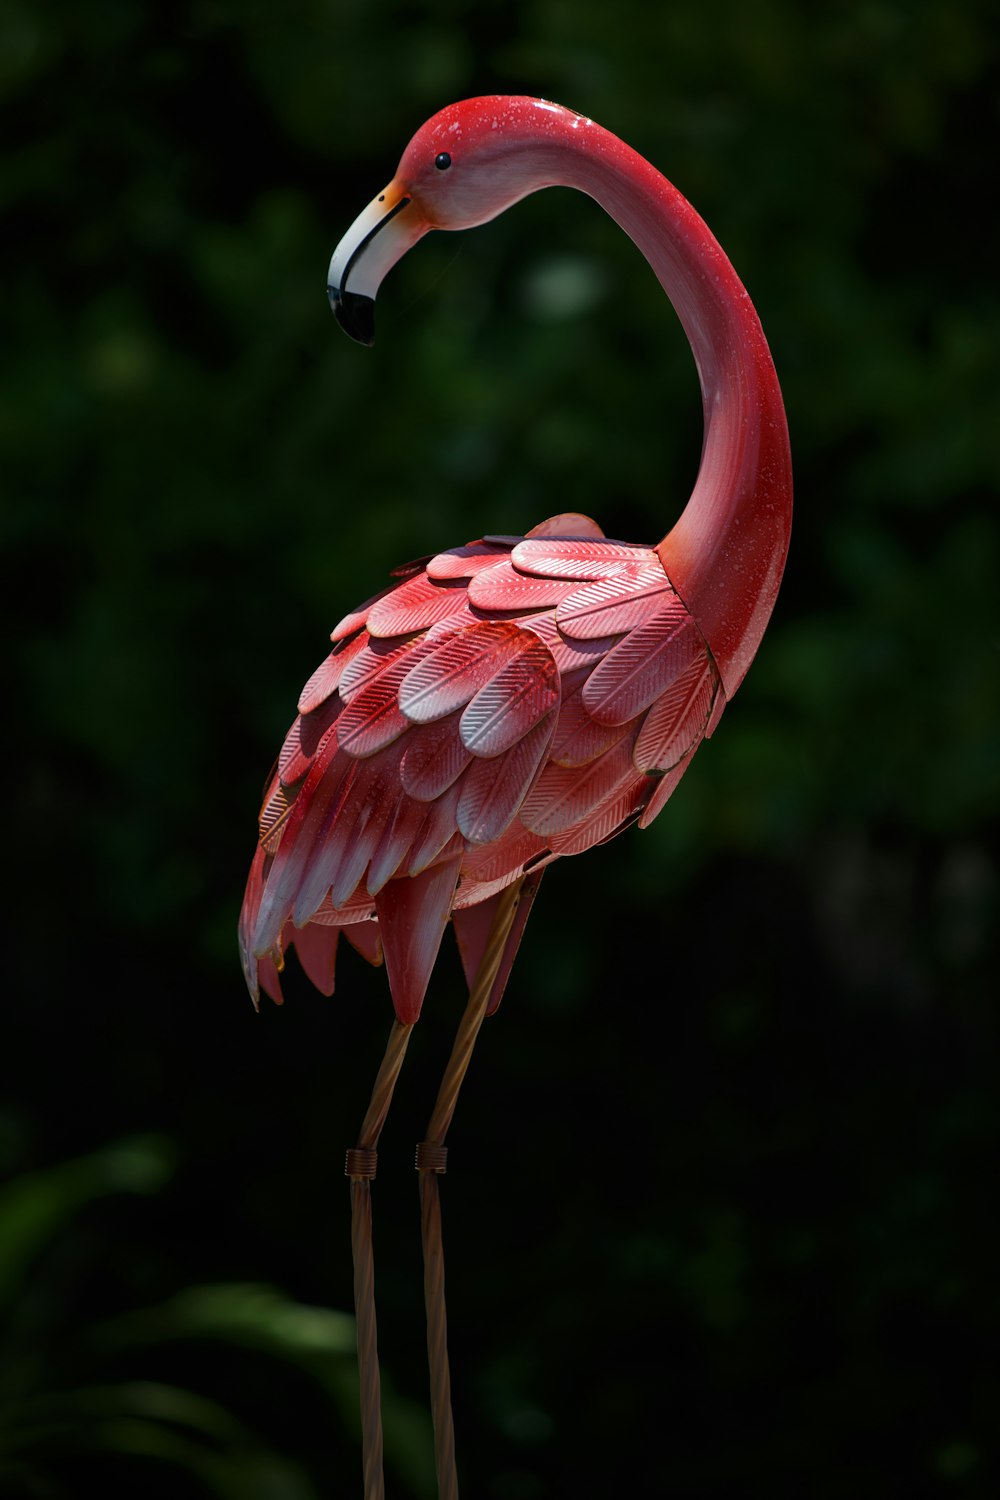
(442, 161)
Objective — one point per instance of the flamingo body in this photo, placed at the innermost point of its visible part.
(503, 704)
(516, 700)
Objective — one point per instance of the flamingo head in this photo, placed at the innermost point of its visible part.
(468, 164)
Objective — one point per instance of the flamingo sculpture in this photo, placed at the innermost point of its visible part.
(512, 700)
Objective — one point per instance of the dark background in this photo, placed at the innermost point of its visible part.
(721, 1213)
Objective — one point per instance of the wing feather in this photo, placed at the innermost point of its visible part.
(438, 828)
(408, 818)
(568, 655)
(570, 524)
(643, 665)
(521, 694)
(328, 674)
(305, 740)
(415, 605)
(311, 815)
(369, 662)
(317, 950)
(447, 677)
(504, 587)
(564, 795)
(579, 558)
(677, 720)
(580, 738)
(465, 562)
(412, 916)
(318, 860)
(612, 605)
(370, 810)
(493, 790)
(434, 758)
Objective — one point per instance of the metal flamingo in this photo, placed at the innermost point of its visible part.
(512, 700)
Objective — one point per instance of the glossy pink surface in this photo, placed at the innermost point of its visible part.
(446, 757)
(516, 700)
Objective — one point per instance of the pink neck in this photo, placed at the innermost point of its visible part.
(726, 553)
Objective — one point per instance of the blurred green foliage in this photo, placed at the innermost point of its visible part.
(73, 1412)
(779, 996)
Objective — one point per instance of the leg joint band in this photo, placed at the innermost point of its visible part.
(431, 1157)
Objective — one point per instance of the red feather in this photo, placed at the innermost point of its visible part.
(579, 558)
(464, 562)
(447, 677)
(415, 605)
(434, 758)
(612, 605)
(563, 796)
(643, 665)
(327, 676)
(412, 916)
(492, 790)
(514, 701)
(503, 587)
(393, 851)
(677, 720)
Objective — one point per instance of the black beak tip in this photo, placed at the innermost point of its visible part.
(355, 313)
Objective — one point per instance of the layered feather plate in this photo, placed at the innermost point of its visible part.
(499, 706)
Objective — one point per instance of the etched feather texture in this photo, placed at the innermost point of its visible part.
(304, 739)
(485, 863)
(455, 670)
(579, 559)
(434, 758)
(503, 587)
(415, 604)
(368, 661)
(643, 665)
(564, 795)
(356, 618)
(328, 674)
(373, 718)
(440, 732)
(602, 822)
(568, 655)
(493, 790)
(277, 805)
(612, 605)
(465, 562)
(521, 694)
(580, 738)
(677, 720)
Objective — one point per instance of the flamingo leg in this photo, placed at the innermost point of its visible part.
(360, 1169)
(431, 1160)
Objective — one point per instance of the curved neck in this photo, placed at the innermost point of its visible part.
(726, 553)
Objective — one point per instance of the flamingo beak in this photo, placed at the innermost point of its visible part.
(388, 227)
